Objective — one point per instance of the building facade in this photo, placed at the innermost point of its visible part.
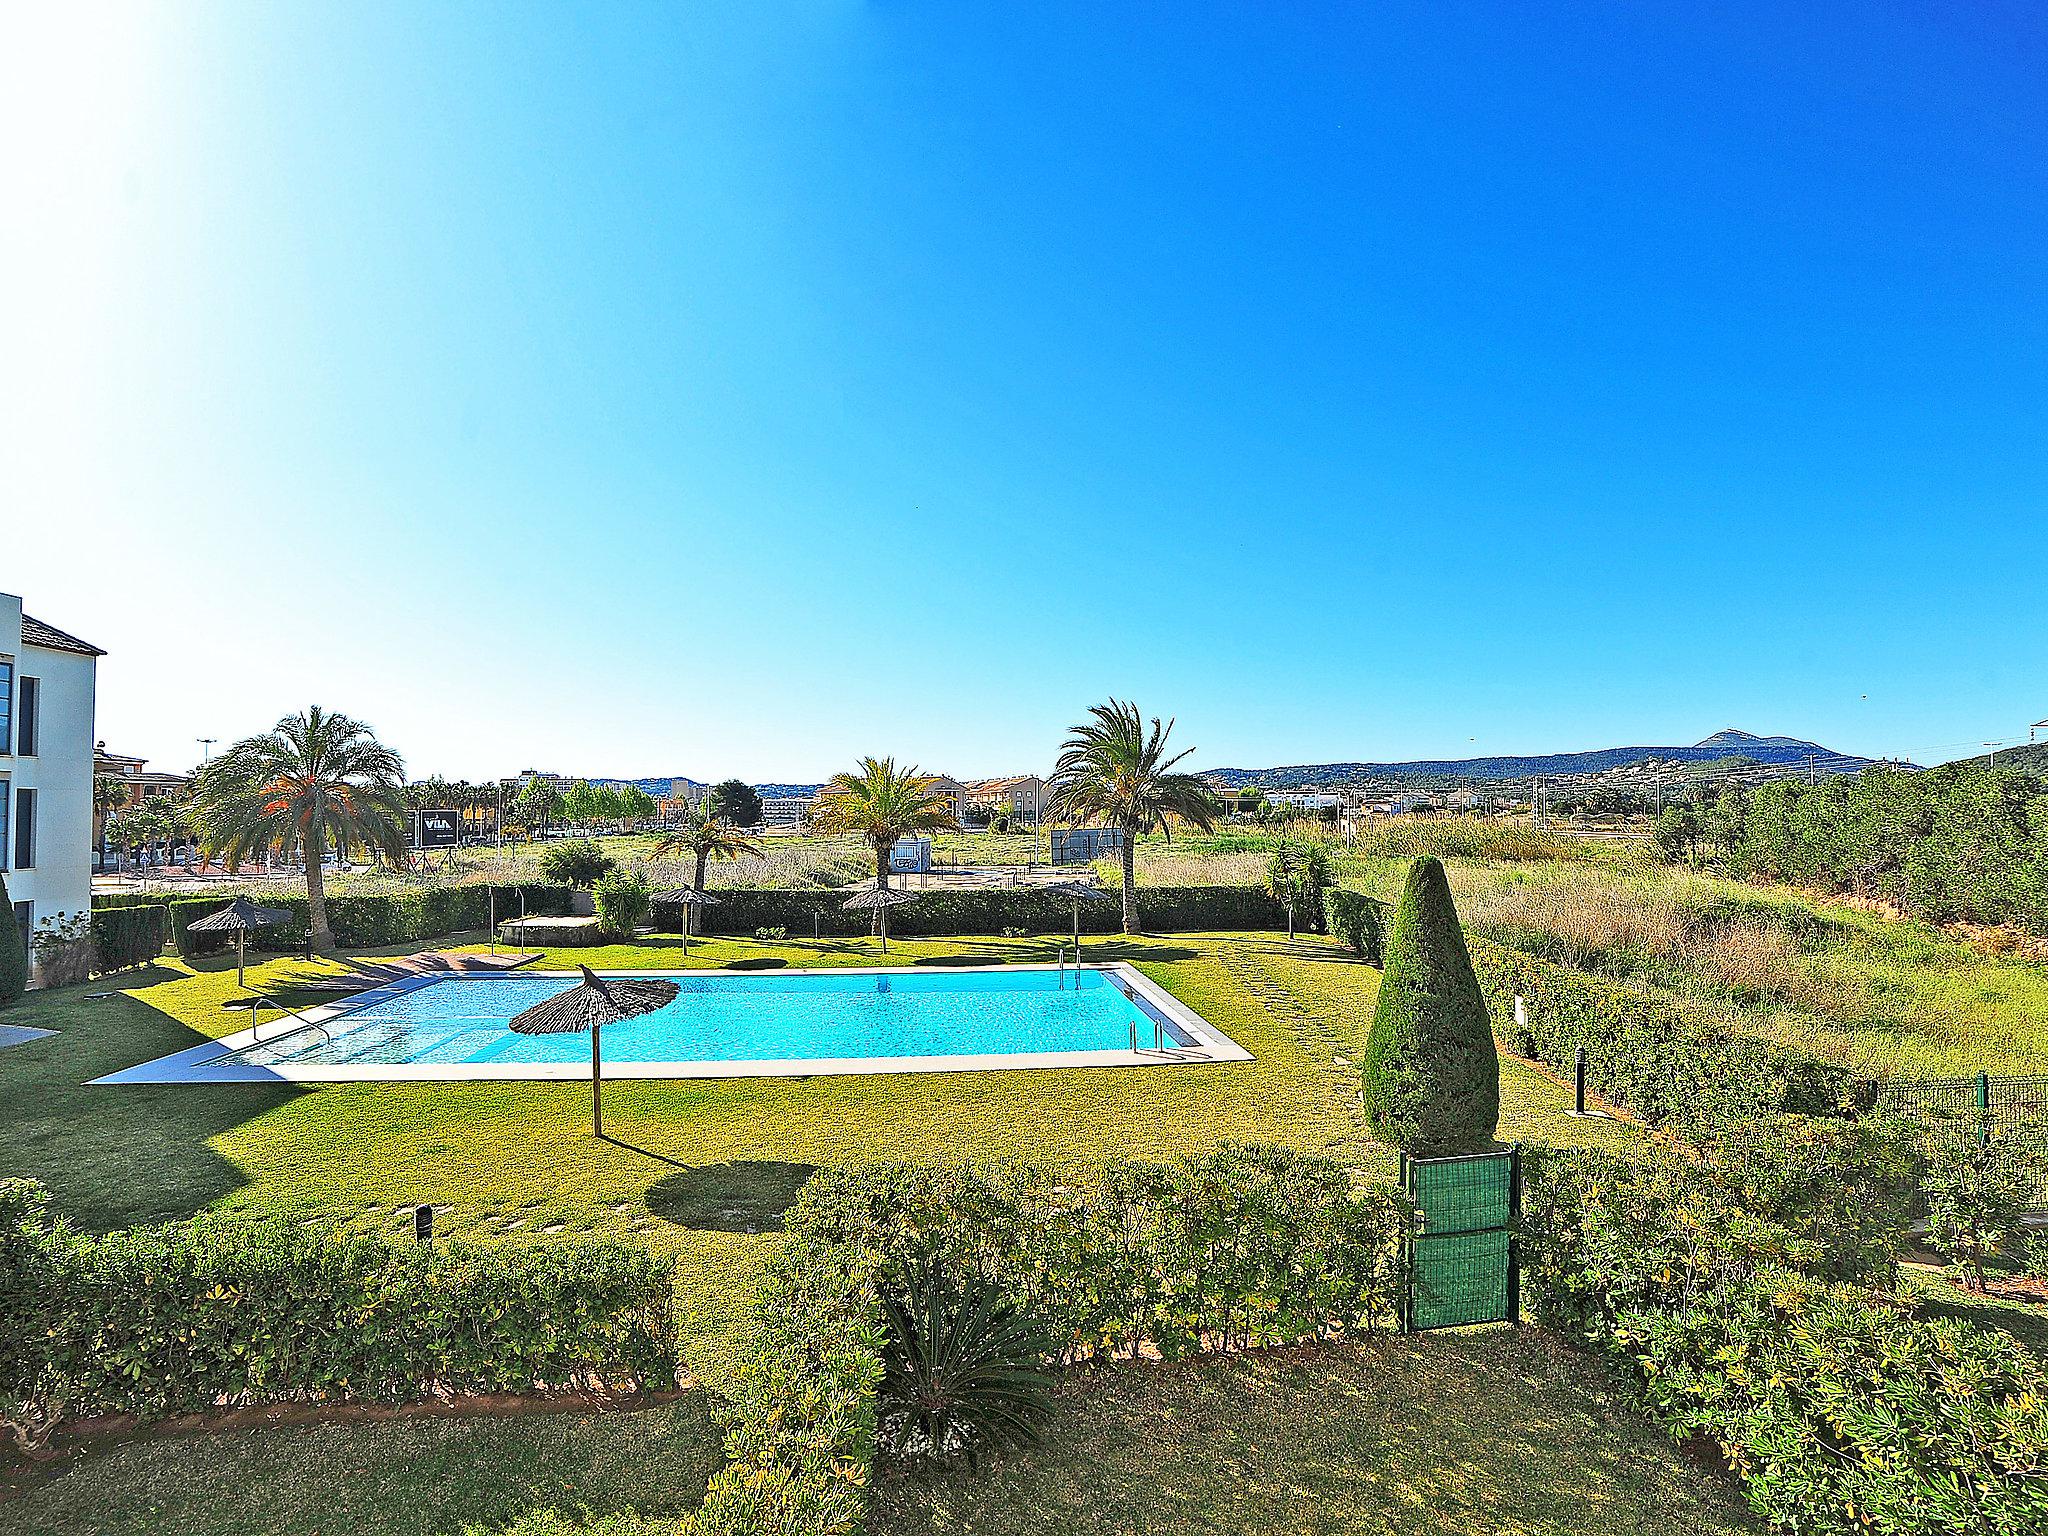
(47, 686)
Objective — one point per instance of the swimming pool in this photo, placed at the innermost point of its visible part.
(724, 1024)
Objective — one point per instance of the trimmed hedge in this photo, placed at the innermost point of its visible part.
(800, 1415)
(127, 935)
(1161, 908)
(1359, 922)
(359, 922)
(13, 953)
(220, 1313)
(1646, 1055)
(1839, 1408)
(1239, 1248)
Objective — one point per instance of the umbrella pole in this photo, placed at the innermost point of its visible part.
(241, 958)
(883, 913)
(596, 1083)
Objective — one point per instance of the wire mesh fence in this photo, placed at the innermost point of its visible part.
(2001, 1113)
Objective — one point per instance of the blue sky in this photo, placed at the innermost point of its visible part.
(739, 389)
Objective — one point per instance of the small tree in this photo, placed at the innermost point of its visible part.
(1677, 834)
(735, 803)
(580, 863)
(1297, 874)
(1978, 1194)
(1432, 1071)
(13, 954)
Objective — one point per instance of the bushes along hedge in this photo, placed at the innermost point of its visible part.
(13, 953)
(224, 1313)
(359, 922)
(1839, 1409)
(1431, 1069)
(1646, 1055)
(1163, 908)
(127, 935)
(1359, 922)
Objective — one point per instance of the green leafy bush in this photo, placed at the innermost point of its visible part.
(622, 902)
(1233, 1249)
(962, 1369)
(1644, 1054)
(125, 936)
(221, 1312)
(1432, 1071)
(13, 953)
(579, 862)
(365, 922)
(1978, 1194)
(1359, 922)
(1186, 909)
(1840, 1410)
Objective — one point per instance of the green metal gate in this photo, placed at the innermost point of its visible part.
(1462, 1265)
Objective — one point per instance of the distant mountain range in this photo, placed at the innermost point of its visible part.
(1777, 751)
(1731, 743)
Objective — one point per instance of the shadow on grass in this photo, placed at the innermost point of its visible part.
(1124, 949)
(117, 1156)
(759, 963)
(729, 1197)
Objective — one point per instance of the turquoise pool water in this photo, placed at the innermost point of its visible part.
(834, 1015)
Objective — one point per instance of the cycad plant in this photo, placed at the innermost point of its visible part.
(962, 1369)
(1114, 771)
(881, 803)
(705, 835)
(315, 780)
(1297, 874)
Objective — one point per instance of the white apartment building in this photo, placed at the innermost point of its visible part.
(47, 681)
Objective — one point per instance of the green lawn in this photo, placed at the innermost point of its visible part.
(700, 1169)
(396, 1477)
(1494, 1432)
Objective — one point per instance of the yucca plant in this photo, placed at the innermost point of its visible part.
(962, 1369)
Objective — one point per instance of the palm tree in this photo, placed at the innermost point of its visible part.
(1116, 773)
(880, 804)
(315, 776)
(705, 833)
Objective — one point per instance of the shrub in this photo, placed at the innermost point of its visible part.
(1432, 1072)
(773, 934)
(184, 913)
(124, 936)
(1849, 1187)
(13, 956)
(220, 1312)
(962, 1369)
(1358, 922)
(63, 948)
(1978, 1194)
(621, 900)
(580, 863)
(1840, 1410)
(1645, 1054)
(1233, 1249)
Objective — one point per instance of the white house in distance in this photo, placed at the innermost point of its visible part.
(47, 681)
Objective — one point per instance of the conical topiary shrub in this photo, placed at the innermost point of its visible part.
(13, 960)
(1432, 1073)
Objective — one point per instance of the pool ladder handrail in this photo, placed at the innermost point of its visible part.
(255, 1029)
(1060, 959)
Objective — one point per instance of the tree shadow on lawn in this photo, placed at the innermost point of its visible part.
(729, 1197)
(114, 1156)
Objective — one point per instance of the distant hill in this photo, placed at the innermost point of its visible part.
(1731, 743)
(2032, 758)
(661, 786)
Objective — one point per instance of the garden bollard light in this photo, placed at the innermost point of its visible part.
(423, 1223)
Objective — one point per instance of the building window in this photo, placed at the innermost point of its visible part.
(24, 829)
(6, 705)
(30, 711)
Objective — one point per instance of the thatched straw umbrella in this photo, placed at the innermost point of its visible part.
(690, 898)
(1077, 891)
(591, 1006)
(241, 917)
(879, 899)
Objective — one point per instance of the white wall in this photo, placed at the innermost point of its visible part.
(60, 772)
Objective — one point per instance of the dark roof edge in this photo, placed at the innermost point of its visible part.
(50, 638)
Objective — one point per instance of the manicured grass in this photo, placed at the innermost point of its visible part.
(1497, 1432)
(699, 1169)
(404, 1477)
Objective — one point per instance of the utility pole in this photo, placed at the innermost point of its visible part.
(1994, 751)
(206, 746)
